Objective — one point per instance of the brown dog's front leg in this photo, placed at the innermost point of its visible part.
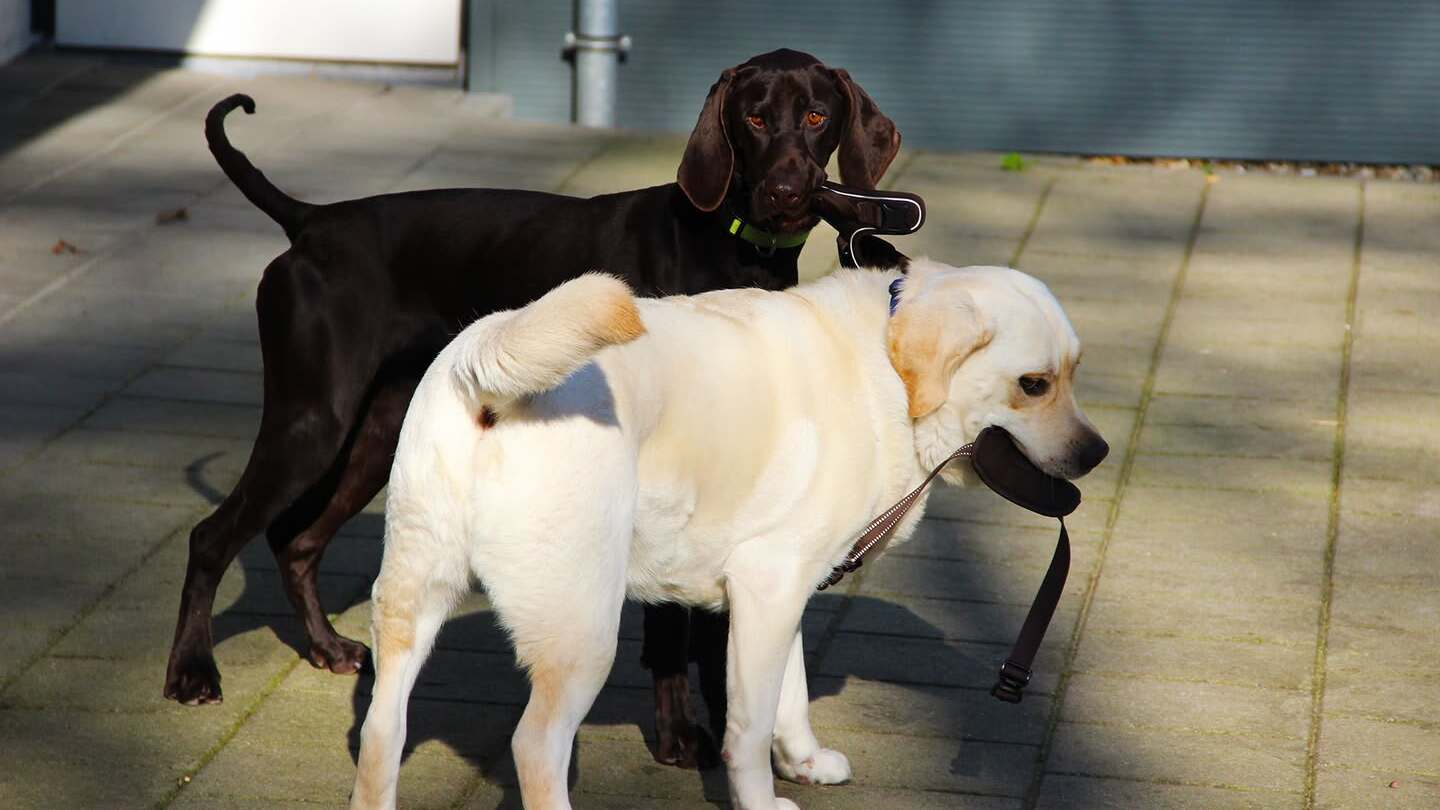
(680, 741)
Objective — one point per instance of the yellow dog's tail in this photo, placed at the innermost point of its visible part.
(513, 354)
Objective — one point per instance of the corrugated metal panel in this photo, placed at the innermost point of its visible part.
(1318, 80)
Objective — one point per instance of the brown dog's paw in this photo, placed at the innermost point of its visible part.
(193, 681)
(680, 741)
(340, 655)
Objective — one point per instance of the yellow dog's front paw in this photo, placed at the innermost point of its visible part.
(824, 767)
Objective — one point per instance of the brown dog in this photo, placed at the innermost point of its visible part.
(370, 289)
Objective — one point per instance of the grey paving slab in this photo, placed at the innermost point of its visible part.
(177, 417)
(1209, 426)
(1379, 745)
(1395, 365)
(935, 662)
(67, 758)
(1118, 215)
(1062, 791)
(1389, 496)
(1218, 272)
(1337, 788)
(976, 201)
(1399, 220)
(1300, 479)
(1213, 323)
(1128, 608)
(1277, 215)
(1395, 550)
(1232, 661)
(200, 385)
(1182, 706)
(1256, 371)
(1175, 507)
(1394, 436)
(1210, 760)
(916, 710)
(1145, 279)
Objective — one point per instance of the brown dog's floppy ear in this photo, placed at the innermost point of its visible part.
(709, 159)
(869, 141)
(935, 328)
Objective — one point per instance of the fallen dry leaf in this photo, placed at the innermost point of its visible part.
(1394, 783)
(174, 215)
(61, 246)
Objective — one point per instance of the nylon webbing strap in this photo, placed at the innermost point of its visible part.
(884, 525)
(1015, 672)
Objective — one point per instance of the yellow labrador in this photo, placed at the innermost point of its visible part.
(720, 450)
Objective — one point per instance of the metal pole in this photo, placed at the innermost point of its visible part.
(597, 45)
(480, 46)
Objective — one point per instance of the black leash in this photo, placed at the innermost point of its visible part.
(1003, 468)
(1015, 672)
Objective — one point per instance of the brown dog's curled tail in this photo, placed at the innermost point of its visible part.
(279, 206)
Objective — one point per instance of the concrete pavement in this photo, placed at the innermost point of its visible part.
(1251, 618)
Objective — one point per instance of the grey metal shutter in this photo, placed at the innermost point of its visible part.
(1340, 80)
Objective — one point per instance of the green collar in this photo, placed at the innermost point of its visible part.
(765, 240)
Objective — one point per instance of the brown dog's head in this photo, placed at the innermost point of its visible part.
(769, 127)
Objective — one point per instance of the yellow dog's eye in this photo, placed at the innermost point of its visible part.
(1034, 386)
(755, 121)
(815, 119)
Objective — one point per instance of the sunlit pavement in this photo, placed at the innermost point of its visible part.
(1251, 618)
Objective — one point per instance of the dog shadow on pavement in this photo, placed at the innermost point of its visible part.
(470, 696)
(906, 673)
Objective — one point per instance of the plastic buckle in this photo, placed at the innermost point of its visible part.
(1010, 687)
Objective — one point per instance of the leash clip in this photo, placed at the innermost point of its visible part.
(1013, 679)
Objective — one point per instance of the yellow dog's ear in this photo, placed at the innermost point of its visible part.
(934, 329)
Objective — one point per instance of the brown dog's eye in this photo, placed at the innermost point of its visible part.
(815, 119)
(755, 121)
(1034, 386)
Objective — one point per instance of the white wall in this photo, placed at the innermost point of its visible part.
(14, 28)
(424, 32)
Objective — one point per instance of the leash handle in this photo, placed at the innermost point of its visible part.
(1015, 672)
(884, 524)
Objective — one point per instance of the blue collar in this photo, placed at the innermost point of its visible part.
(895, 293)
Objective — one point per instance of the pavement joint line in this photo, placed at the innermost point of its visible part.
(1034, 221)
(1332, 529)
(1177, 782)
(86, 610)
(1147, 394)
(241, 719)
(226, 736)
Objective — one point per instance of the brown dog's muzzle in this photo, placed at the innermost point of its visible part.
(784, 193)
